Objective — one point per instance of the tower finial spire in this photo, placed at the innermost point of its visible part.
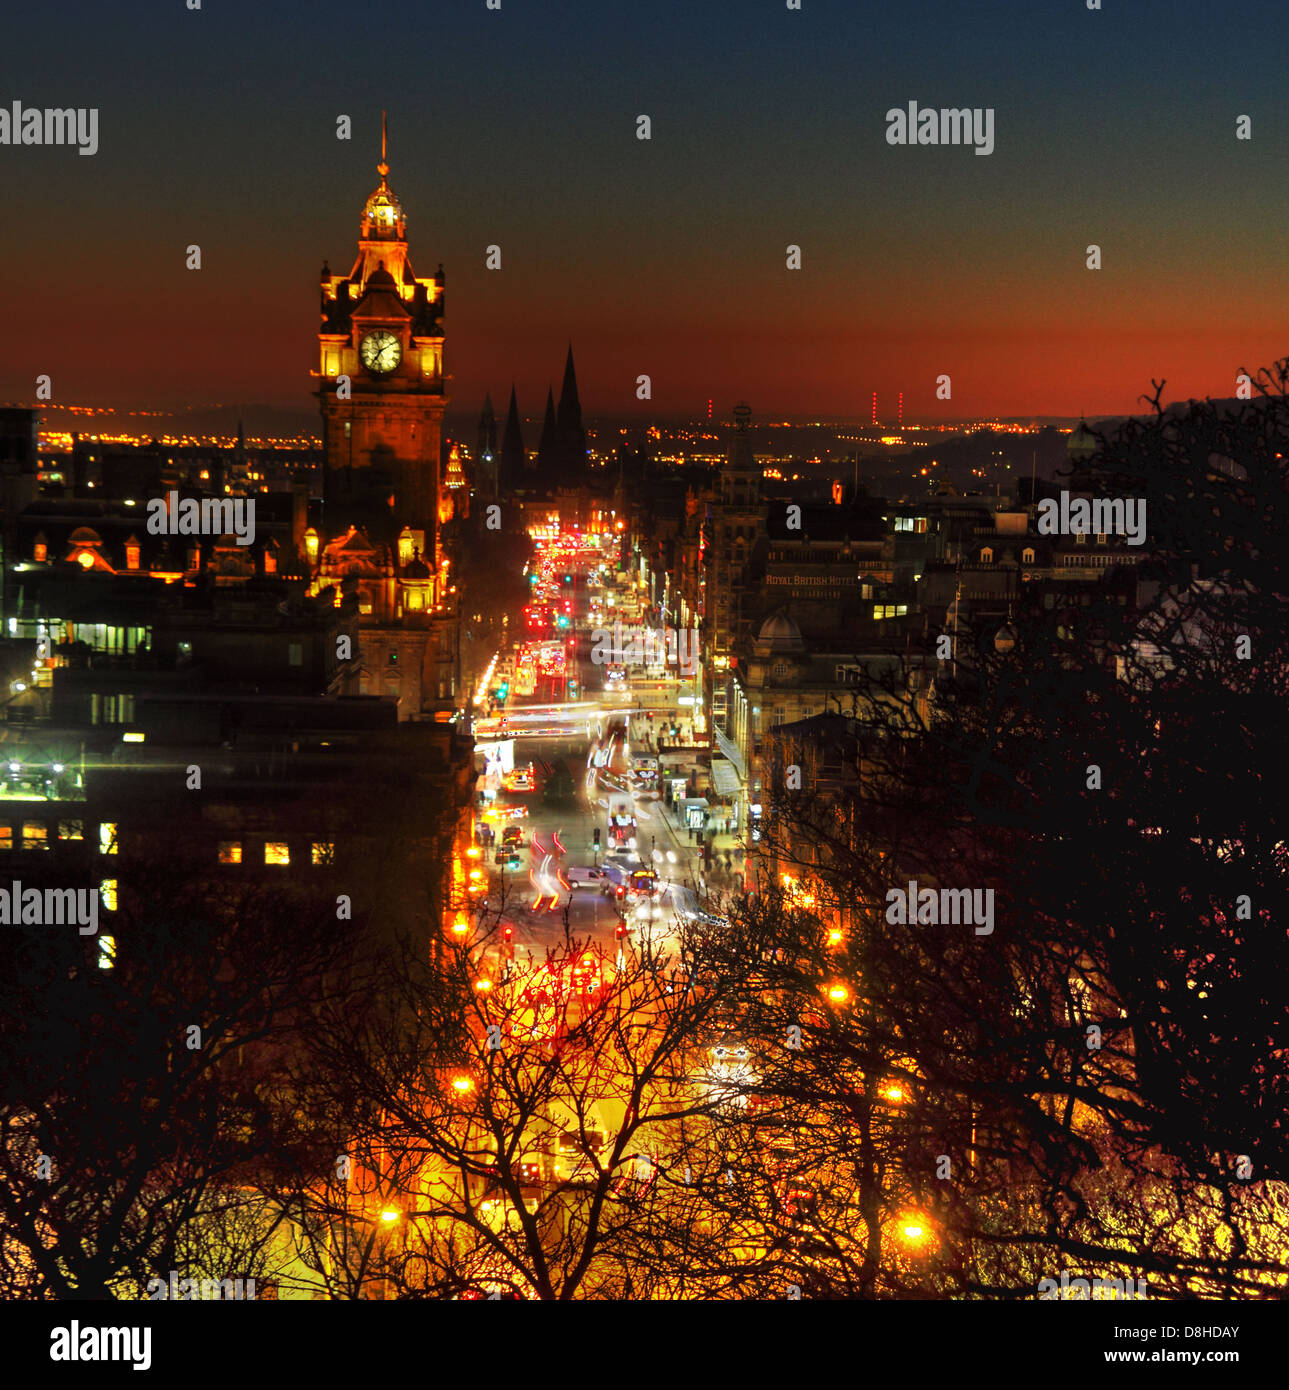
(382, 168)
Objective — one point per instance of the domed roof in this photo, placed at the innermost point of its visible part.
(383, 213)
(416, 568)
(780, 633)
(381, 276)
(1082, 442)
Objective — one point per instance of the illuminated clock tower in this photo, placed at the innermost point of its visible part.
(382, 329)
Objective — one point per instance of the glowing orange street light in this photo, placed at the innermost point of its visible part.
(915, 1230)
(462, 1085)
(483, 986)
(460, 924)
(473, 852)
(838, 993)
(835, 937)
(894, 1094)
(390, 1214)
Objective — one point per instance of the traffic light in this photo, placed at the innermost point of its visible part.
(508, 933)
(620, 930)
(597, 837)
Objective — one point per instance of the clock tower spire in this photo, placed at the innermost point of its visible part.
(381, 386)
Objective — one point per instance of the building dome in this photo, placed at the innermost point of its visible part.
(780, 634)
(383, 218)
(1082, 442)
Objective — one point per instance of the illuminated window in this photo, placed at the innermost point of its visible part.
(270, 561)
(6, 837)
(40, 552)
(987, 556)
(132, 557)
(230, 852)
(107, 838)
(35, 835)
(276, 852)
(194, 558)
(106, 952)
(1080, 538)
(323, 853)
(71, 830)
(107, 891)
(1027, 556)
(1101, 537)
(311, 545)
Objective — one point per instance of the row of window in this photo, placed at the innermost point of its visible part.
(34, 834)
(85, 557)
(278, 852)
(1027, 555)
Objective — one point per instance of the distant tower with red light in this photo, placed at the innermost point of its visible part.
(874, 407)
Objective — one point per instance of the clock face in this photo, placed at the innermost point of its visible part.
(380, 351)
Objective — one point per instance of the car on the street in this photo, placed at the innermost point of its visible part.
(586, 974)
(508, 857)
(576, 1161)
(512, 835)
(622, 831)
(583, 877)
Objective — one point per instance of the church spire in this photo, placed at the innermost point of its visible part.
(570, 408)
(513, 457)
(382, 168)
(570, 437)
(547, 445)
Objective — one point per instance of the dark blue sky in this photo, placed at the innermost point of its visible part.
(667, 258)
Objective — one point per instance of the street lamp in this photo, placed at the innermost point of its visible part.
(915, 1231)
